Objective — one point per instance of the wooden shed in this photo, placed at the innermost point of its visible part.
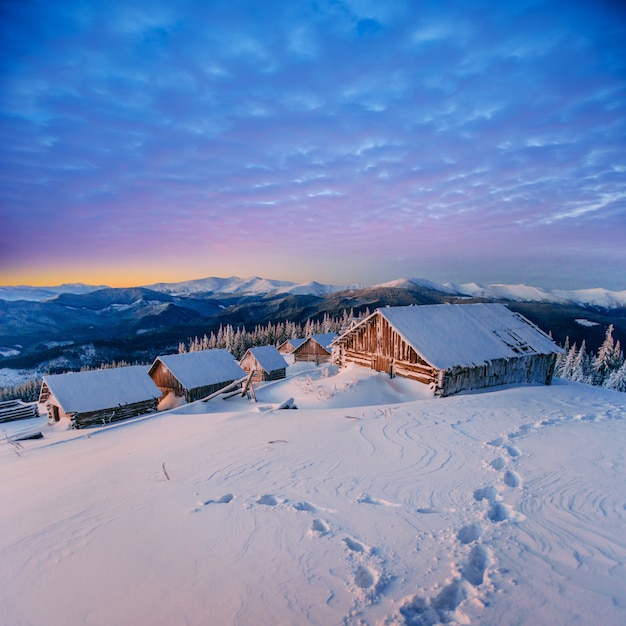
(451, 347)
(288, 346)
(195, 375)
(315, 348)
(99, 396)
(266, 362)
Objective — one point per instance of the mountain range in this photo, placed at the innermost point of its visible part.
(255, 286)
(71, 325)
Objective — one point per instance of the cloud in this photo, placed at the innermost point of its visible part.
(344, 126)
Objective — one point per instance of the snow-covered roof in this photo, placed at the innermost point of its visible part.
(295, 342)
(81, 392)
(449, 335)
(325, 339)
(268, 357)
(202, 368)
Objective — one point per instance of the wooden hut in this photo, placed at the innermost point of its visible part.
(266, 362)
(451, 347)
(288, 346)
(99, 396)
(195, 375)
(315, 348)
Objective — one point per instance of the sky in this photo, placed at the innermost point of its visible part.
(343, 141)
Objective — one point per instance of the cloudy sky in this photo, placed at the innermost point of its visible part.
(346, 141)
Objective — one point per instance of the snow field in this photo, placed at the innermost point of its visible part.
(370, 504)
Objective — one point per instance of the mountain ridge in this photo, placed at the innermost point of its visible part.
(258, 286)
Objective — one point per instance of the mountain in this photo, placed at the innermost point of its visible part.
(601, 298)
(25, 292)
(89, 326)
(256, 286)
(252, 285)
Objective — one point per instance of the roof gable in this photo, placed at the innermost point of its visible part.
(202, 368)
(296, 343)
(450, 335)
(325, 340)
(80, 392)
(268, 357)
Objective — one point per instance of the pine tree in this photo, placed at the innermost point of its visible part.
(617, 379)
(568, 363)
(605, 361)
(578, 373)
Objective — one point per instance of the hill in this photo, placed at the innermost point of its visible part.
(370, 504)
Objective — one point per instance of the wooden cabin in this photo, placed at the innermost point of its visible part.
(195, 375)
(99, 396)
(287, 347)
(316, 348)
(266, 362)
(451, 347)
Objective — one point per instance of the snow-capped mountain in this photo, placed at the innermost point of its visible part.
(524, 293)
(38, 294)
(257, 286)
(249, 286)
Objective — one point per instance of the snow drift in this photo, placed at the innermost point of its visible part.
(370, 504)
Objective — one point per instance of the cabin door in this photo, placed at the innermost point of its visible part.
(381, 363)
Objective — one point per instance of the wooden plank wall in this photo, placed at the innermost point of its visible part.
(114, 414)
(166, 381)
(528, 368)
(17, 410)
(311, 351)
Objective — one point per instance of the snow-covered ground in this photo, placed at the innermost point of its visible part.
(370, 504)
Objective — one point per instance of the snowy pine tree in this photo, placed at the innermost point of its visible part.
(617, 379)
(605, 361)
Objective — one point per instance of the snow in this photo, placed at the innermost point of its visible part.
(202, 368)
(595, 297)
(79, 392)
(268, 357)
(370, 504)
(449, 335)
(524, 293)
(586, 322)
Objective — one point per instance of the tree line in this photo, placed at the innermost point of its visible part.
(237, 341)
(606, 368)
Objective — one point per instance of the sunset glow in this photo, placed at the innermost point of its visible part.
(347, 142)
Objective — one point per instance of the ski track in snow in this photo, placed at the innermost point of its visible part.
(415, 514)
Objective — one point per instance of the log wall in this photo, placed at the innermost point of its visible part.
(17, 410)
(311, 351)
(378, 346)
(527, 368)
(114, 414)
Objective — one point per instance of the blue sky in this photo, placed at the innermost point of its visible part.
(346, 141)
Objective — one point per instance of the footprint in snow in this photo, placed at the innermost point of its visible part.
(365, 577)
(319, 527)
(499, 512)
(354, 545)
(511, 479)
(489, 493)
(304, 506)
(498, 463)
(268, 500)
(513, 451)
(470, 533)
(225, 499)
(365, 499)
(479, 560)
